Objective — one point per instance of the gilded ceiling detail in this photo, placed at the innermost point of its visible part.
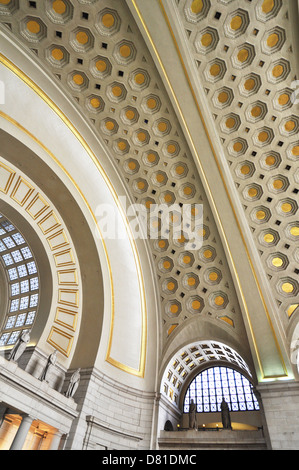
(245, 59)
(97, 54)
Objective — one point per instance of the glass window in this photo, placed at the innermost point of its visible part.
(10, 322)
(15, 288)
(17, 256)
(13, 274)
(34, 283)
(30, 318)
(24, 303)
(26, 252)
(4, 337)
(9, 242)
(7, 226)
(22, 278)
(209, 387)
(14, 306)
(18, 238)
(31, 267)
(21, 320)
(7, 259)
(13, 337)
(24, 286)
(22, 270)
(33, 300)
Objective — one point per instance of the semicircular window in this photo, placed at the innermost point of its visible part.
(209, 387)
(22, 278)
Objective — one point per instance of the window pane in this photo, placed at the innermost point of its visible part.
(30, 318)
(34, 300)
(15, 289)
(21, 319)
(210, 386)
(10, 322)
(31, 267)
(9, 242)
(17, 256)
(4, 338)
(7, 259)
(24, 286)
(34, 283)
(26, 252)
(22, 270)
(12, 274)
(18, 238)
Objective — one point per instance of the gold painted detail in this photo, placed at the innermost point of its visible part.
(50, 226)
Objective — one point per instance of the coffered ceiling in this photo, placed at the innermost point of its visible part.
(242, 57)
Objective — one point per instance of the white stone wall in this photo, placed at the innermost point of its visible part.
(112, 416)
(281, 407)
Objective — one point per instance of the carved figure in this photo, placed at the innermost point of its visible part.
(51, 362)
(225, 415)
(73, 385)
(19, 346)
(192, 416)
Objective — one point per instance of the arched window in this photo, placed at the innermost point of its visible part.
(209, 387)
(22, 280)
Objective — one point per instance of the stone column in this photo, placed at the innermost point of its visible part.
(281, 406)
(55, 441)
(22, 432)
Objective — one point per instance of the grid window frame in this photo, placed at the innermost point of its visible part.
(23, 283)
(208, 388)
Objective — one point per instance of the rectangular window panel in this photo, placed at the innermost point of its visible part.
(24, 303)
(17, 256)
(34, 283)
(15, 289)
(13, 337)
(33, 300)
(7, 259)
(10, 322)
(26, 252)
(30, 318)
(24, 286)
(9, 242)
(2, 246)
(18, 238)
(31, 267)
(7, 226)
(13, 274)
(21, 320)
(4, 338)
(14, 305)
(22, 270)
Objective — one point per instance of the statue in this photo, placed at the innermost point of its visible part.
(192, 416)
(225, 416)
(19, 346)
(73, 385)
(51, 362)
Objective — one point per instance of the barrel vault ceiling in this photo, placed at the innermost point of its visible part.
(243, 53)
